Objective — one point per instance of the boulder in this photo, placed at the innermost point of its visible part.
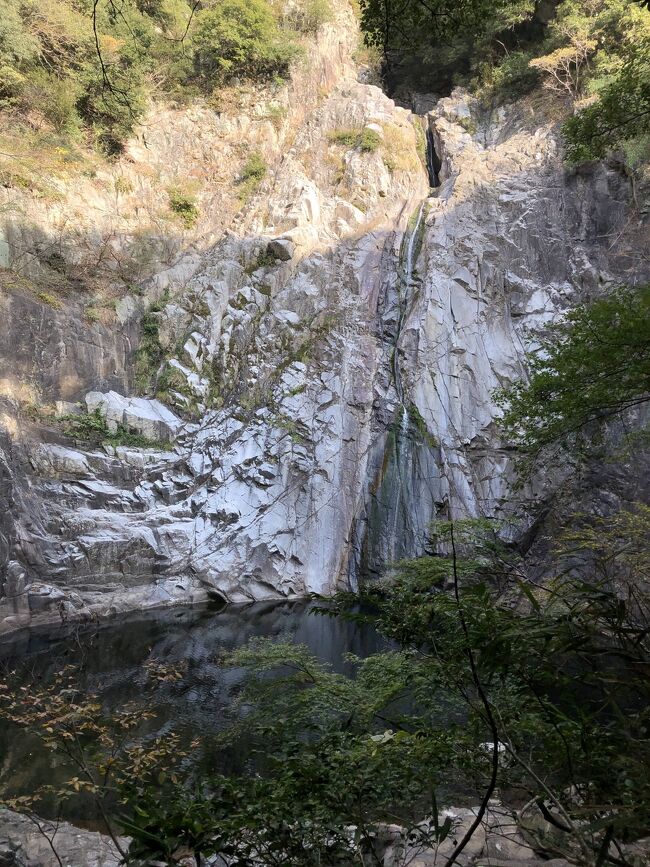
(22, 844)
(150, 418)
(281, 248)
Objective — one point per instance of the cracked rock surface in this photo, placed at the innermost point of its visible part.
(329, 366)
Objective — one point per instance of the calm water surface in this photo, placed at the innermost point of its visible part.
(114, 658)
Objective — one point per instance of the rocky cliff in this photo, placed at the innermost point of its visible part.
(310, 371)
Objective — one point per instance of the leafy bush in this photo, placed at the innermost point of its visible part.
(369, 141)
(50, 63)
(184, 206)
(50, 299)
(558, 682)
(240, 38)
(507, 79)
(595, 365)
(308, 16)
(252, 174)
(254, 168)
(620, 113)
(347, 137)
(93, 428)
(366, 140)
(56, 98)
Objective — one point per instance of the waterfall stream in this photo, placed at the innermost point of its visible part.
(405, 465)
(408, 255)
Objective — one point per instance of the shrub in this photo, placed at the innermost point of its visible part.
(56, 98)
(367, 140)
(263, 260)
(50, 300)
(347, 137)
(240, 38)
(149, 355)
(252, 174)
(92, 427)
(11, 85)
(510, 78)
(605, 348)
(308, 16)
(112, 113)
(122, 185)
(184, 206)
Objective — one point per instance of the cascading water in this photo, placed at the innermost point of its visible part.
(401, 432)
(406, 490)
(405, 469)
(407, 268)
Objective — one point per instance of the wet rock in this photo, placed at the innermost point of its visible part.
(342, 401)
(546, 830)
(54, 460)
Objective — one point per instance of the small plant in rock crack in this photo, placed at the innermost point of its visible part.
(184, 205)
(92, 427)
(366, 140)
(251, 176)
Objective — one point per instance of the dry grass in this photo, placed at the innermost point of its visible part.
(399, 149)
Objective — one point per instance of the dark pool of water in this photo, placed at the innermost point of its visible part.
(112, 661)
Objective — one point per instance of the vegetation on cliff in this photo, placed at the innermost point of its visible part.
(83, 68)
(605, 348)
(492, 679)
(593, 54)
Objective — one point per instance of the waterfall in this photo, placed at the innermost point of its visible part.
(434, 163)
(408, 255)
(404, 468)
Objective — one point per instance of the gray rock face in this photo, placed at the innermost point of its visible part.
(341, 395)
(281, 248)
(33, 843)
(150, 418)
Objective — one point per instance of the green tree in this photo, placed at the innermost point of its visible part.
(240, 38)
(621, 112)
(593, 367)
(553, 675)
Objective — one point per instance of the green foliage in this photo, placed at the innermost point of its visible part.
(620, 114)
(369, 141)
(52, 64)
(308, 16)
(420, 426)
(92, 428)
(594, 55)
(97, 751)
(254, 168)
(505, 78)
(240, 38)
(366, 140)
(416, 22)
(346, 137)
(588, 626)
(51, 300)
(149, 355)
(184, 205)
(595, 365)
(598, 54)
(252, 174)
(561, 672)
(263, 259)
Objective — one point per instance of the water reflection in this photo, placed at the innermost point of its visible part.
(114, 657)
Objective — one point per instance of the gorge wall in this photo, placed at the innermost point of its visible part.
(328, 350)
